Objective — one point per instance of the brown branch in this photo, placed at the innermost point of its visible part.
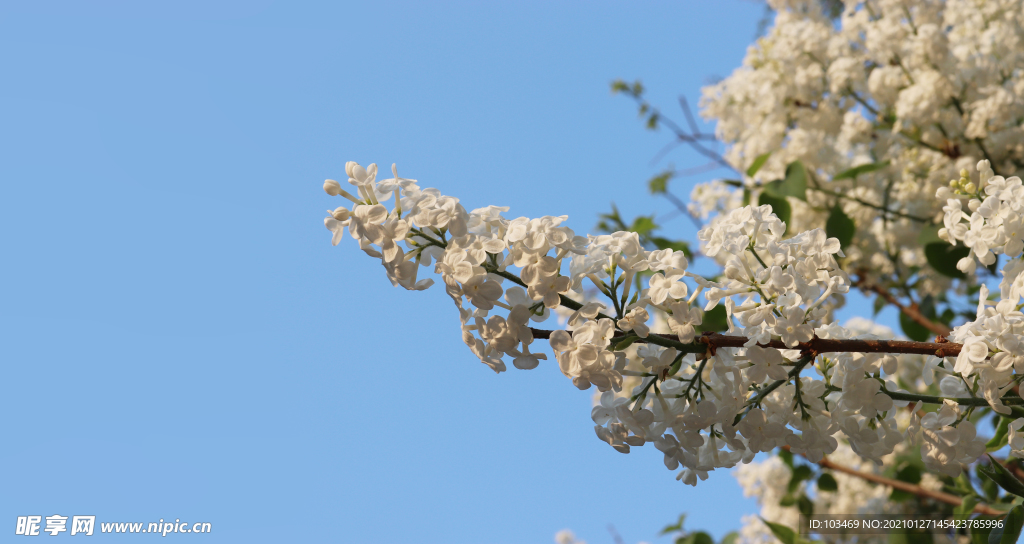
(908, 487)
(819, 345)
(912, 310)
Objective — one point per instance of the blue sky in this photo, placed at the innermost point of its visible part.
(179, 338)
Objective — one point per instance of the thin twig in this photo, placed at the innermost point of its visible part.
(908, 487)
(912, 311)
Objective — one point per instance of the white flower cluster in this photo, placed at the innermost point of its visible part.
(768, 482)
(920, 87)
(703, 407)
(992, 359)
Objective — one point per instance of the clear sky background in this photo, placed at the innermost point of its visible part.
(180, 340)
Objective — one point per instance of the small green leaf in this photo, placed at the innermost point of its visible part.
(730, 538)
(619, 86)
(659, 183)
(652, 121)
(929, 234)
(779, 205)
(715, 320)
(910, 474)
(999, 439)
(758, 163)
(746, 196)
(700, 537)
(989, 488)
(677, 526)
(805, 506)
(1010, 531)
(879, 304)
(827, 482)
(787, 457)
(625, 343)
(794, 185)
(643, 225)
(914, 330)
(966, 508)
(964, 484)
(858, 170)
(783, 533)
(800, 473)
(979, 535)
(674, 245)
(943, 257)
(1006, 480)
(840, 226)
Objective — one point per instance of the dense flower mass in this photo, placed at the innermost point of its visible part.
(703, 408)
(909, 91)
(844, 132)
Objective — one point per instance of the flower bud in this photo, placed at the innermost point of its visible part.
(332, 187)
(970, 187)
(966, 265)
(341, 213)
(944, 234)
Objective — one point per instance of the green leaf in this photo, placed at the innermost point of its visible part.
(619, 86)
(858, 170)
(700, 537)
(879, 304)
(659, 183)
(943, 256)
(758, 163)
(677, 526)
(783, 533)
(911, 537)
(730, 538)
(964, 484)
(674, 245)
(966, 508)
(840, 226)
(989, 488)
(643, 225)
(746, 196)
(1000, 438)
(827, 482)
(914, 330)
(794, 185)
(805, 506)
(652, 121)
(910, 474)
(715, 320)
(779, 205)
(929, 234)
(625, 343)
(1010, 531)
(980, 535)
(800, 473)
(1006, 480)
(787, 457)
